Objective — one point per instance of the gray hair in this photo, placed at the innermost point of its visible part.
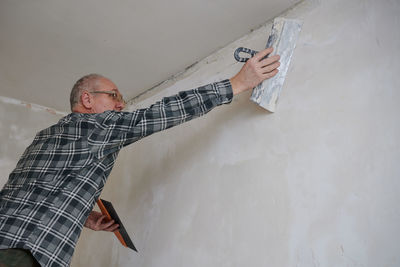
(87, 82)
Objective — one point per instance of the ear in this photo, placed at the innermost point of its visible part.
(86, 100)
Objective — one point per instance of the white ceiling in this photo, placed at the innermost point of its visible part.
(46, 45)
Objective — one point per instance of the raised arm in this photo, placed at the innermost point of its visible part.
(117, 129)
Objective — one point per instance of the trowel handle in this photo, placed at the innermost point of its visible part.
(244, 50)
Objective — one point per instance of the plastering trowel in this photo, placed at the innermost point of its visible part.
(108, 210)
(283, 39)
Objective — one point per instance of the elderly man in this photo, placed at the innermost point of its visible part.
(49, 196)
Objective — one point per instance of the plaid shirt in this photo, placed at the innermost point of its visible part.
(50, 193)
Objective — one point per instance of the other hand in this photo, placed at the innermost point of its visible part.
(256, 70)
(99, 222)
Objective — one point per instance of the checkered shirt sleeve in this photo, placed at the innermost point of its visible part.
(117, 129)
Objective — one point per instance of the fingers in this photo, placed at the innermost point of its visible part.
(271, 67)
(267, 64)
(263, 53)
(112, 228)
(270, 60)
(100, 220)
(106, 226)
(270, 74)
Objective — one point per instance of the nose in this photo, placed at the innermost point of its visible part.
(120, 105)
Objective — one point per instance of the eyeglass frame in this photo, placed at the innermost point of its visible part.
(115, 95)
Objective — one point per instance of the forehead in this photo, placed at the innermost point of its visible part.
(105, 84)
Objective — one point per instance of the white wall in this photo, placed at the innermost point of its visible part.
(19, 123)
(314, 184)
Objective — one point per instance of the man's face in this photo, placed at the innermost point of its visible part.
(106, 101)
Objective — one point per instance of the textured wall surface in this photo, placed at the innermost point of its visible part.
(314, 184)
(19, 123)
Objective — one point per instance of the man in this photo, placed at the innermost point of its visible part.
(49, 196)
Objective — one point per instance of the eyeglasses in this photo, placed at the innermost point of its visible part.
(113, 94)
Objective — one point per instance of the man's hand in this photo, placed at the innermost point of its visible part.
(98, 222)
(255, 71)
